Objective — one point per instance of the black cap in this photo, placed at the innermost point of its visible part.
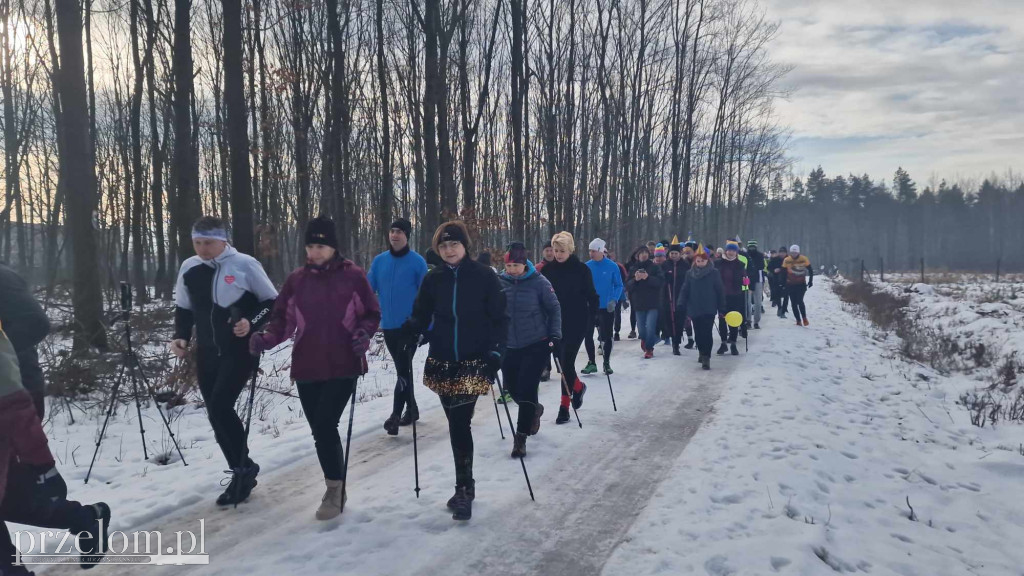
(321, 231)
(403, 225)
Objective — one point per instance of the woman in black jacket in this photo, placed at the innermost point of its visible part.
(577, 298)
(703, 297)
(464, 301)
(645, 283)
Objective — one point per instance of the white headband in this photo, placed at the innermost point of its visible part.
(215, 234)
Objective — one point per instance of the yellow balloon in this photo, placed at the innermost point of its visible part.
(734, 319)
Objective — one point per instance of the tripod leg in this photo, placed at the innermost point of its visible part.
(103, 430)
(138, 411)
(163, 417)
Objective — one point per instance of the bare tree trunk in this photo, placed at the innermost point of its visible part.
(185, 172)
(78, 165)
(242, 231)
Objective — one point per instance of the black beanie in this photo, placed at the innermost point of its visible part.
(403, 225)
(321, 231)
(453, 233)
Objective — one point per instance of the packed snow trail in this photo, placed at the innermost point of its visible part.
(590, 485)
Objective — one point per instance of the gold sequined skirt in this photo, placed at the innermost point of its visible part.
(452, 378)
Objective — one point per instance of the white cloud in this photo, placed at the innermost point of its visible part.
(933, 85)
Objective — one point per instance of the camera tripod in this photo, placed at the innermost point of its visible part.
(131, 370)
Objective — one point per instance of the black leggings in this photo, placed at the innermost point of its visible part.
(618, 316)
(324, 401)
(733, 303)
(221, 381)
(404, 390)
(43, 505)
(796, 295)
(703, 328)
(459, 411)
(605, 324)
(570, 349)
(521, 377)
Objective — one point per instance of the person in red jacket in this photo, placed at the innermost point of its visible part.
(32, 491)
(330, 310)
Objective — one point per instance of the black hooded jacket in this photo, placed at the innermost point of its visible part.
(574, 287)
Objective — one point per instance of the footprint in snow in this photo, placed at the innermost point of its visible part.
(779, 562)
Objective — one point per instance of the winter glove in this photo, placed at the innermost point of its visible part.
(746, 281)
(625, 304)
(258, 344)
(555, 344)
(408, 334)
(810, 283)
(493, 360)
(610, 307)
(360, 342)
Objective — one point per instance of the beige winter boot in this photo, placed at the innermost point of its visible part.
(333, 501)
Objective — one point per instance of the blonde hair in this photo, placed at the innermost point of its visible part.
(564, 241)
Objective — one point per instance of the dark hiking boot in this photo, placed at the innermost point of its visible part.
(563, 415)
(95, 546)
(705, 362)
(519, 446)
(470, 492)
(675, 350)
(545, 375)
(535, 427)
(461, 504)
(723, 349)
(616, 337)
(608, 368)
(391, 425)
(577, 396)
(590, 368)
(410, 415)
(733, 349)
(689, 344)
(632, 335)
(243, 480)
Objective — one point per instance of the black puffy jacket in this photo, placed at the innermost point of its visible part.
(467, 307)
(25, 324)
(577, 297)
(645, 294)
(755, 265)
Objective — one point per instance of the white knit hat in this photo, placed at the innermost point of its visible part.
(597, 245)
(795, 248)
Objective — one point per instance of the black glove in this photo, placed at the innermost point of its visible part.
(625, 304)
(810, 283)
(556, 346)
(408, 334)
(493, 361)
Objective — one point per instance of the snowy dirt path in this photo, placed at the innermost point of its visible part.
(590, 484)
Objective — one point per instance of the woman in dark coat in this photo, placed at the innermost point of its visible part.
(646, 281)
(464, 301)
(703, 297)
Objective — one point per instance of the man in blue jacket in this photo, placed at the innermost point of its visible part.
(608, 283)
(395, 275)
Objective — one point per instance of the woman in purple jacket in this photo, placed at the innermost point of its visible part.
(329, 309)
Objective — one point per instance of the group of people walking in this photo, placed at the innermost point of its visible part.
(479, 323)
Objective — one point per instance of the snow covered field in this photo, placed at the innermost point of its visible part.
(799, 457)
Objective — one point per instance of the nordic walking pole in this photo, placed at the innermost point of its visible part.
(565, 386)
(415, 448)
(509, 414)
(614, 407)
(348, 439)
(236, 316)
(496, 413)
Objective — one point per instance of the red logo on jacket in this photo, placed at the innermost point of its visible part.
(229, 279)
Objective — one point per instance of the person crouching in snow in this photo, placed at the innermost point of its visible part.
(534, 332)
(32, 491)
(703, 297)
(577, 297)
(734, 279)
(798, 269)
(464, 301)
(330, 310)
(646, 281)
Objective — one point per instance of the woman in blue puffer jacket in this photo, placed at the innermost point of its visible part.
(534, 332)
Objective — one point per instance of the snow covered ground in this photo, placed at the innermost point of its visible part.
(798, 457)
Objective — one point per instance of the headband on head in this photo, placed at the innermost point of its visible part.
(214, 234)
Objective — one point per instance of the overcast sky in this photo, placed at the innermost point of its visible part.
(936, 86)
